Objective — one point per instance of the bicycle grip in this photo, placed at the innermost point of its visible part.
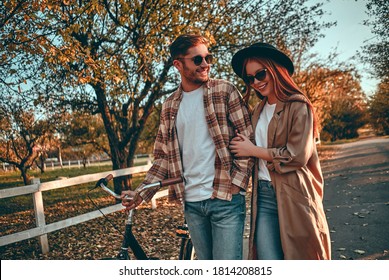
(171, 181)
(105, 180)
(109, 177)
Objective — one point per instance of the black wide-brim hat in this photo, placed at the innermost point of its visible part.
(261, 50)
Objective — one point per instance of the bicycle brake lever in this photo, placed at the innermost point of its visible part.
(128, 198)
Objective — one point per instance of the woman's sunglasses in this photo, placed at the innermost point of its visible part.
(198, 59)
(259, 76)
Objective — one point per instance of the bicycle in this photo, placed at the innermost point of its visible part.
(130, 241)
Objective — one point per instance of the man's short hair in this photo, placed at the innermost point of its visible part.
(184, 42)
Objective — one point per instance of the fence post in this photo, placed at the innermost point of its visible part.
(153, 203)
(40, 216)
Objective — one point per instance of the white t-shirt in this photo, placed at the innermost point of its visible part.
(261, 137)
(196, 145)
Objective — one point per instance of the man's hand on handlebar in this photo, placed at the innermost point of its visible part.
(130, 199)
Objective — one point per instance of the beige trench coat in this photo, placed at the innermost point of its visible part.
(297, 178)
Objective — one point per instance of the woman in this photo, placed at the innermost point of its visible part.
(287, 215)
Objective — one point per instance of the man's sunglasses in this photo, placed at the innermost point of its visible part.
(198, 59)
(259, 76)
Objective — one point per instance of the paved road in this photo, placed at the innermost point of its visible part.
(356, 199)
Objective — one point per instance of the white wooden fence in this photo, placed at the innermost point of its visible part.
(42, 229)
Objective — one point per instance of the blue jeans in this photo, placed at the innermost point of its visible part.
(268, 240)
(216, 227)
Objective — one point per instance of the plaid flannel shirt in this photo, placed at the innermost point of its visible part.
(225, 112)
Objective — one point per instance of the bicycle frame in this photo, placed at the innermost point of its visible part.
(129, 240)
(186, 247)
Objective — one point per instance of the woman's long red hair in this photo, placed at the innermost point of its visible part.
(284, 85)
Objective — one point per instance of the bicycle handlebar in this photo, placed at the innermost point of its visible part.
(103, 184)
(166, 182)
(171, 181)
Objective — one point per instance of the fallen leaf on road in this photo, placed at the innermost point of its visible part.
(361, 252)
(341, 249)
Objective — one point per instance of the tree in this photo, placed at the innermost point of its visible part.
(377, 52)
(379, 109)
(20, 59)
(20, 135)
(319, 79)
(83, 129)
(84, 135)
(147, 138)
(347, 110)
(343, 122)
(45, 147)
(110, 57)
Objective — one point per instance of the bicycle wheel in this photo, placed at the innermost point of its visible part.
(186, 250)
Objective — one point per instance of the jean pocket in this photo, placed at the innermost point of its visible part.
(266, 187)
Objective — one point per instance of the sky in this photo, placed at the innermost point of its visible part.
(347, 36)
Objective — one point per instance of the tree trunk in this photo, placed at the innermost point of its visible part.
(119, 161)
(121, 143)
(41, 165)
(23, 171)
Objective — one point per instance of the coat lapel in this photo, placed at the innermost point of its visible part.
(271, 133)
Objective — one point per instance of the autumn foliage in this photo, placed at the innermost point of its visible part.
(110, 58)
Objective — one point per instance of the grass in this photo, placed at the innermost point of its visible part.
(11, 179)
(73, 194)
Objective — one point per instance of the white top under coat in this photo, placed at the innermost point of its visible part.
(261, 137)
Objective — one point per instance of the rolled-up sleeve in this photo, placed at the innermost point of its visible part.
(299, 147)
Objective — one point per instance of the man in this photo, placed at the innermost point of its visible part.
(197, 123)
